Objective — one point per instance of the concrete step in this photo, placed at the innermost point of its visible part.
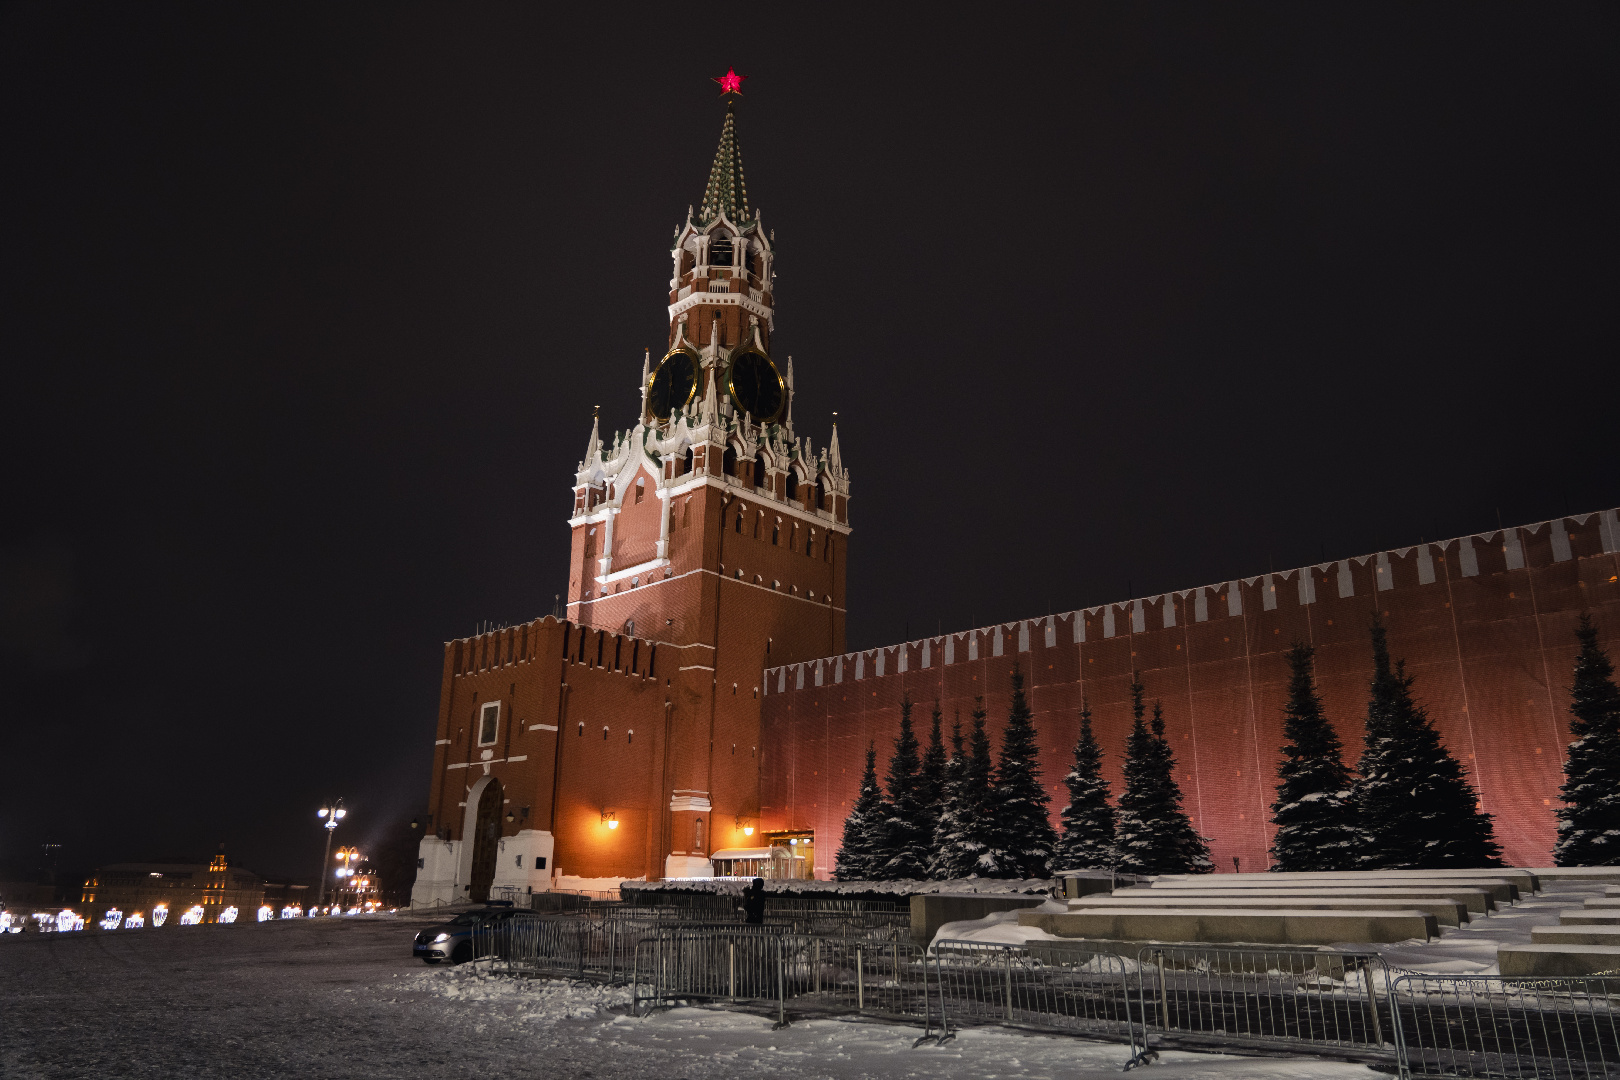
(1588, 917)
(1575, 935)
(1603, 902)
(1277, 926)
(1446, 912)
(1577, 874)
(1502, 890)
(1477, 901)
(1527, 880)
(1558, 959)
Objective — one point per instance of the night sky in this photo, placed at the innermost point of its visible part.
(305, 310)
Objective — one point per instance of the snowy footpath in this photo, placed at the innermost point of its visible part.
(342, 998)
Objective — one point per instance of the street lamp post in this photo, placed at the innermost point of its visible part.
(331, 815)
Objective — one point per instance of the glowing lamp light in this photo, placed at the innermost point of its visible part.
(610, 819)
(160, 915)
(192, 916)
(228, 915)
(266, 913)
(67, 920)
(291, 911)
(748, 830)
(134, 922)
(112, 920)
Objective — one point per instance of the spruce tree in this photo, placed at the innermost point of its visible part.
(1022, 839)
(1154, 834)
(857, 855)
(1415, 807)
(950, 802)
(1313, 815)
(1589, 820)
(1087, 842)
(960, 844)
(933, 772)
(907, 829)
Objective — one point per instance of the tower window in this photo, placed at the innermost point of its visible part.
(728, 461)
(719, 286)
(631, 737)
(697, 835)
(641, 487)
(720, 252)
(776, 534)
(689, 457)
(604, 733)
(739, 522)
(489, 722)
(582, 729)
(792, 484)
(810, 544)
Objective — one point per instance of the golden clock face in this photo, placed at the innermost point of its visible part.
(673, 384)
(755, 386)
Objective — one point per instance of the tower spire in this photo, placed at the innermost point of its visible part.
(726, 192)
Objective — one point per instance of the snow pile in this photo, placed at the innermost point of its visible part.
(541, 999)
(1000, 927)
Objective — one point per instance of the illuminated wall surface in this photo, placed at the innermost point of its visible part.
(1485, 623)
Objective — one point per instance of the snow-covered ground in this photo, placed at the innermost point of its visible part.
(1464, 950)
(341, 998)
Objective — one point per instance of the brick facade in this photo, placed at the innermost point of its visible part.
(1485, 624)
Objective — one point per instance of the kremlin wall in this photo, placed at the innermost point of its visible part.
(1486, 624)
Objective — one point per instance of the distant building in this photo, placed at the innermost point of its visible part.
(132, 887)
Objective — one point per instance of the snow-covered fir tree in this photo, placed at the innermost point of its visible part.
(1154, 835)
(857, 857)
(908, 826)
(1589, 820)
(1087, 842)
(1021, 835)
(1414, 806)
(1313, 815)
(950, 789)
(933, 771)
(960, 839)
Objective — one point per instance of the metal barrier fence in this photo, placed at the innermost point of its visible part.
(1299, 1000)
(1313, 1000)
(1059, 987)
(764, 966)
(1491, 1026)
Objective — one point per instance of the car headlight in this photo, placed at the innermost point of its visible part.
(441, 937)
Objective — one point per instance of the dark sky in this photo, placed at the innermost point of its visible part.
(305, 310)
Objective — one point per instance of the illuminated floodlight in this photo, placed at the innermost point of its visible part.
(228, 915)
(67, 920)
(160, 915)
(5, 922)
(112, 920)
(322, 812)
(192, 916)
(266, 912)
(134, 921)
(292, 911)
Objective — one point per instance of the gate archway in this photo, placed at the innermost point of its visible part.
(486, 840)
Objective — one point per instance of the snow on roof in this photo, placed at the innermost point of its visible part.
(751, 853)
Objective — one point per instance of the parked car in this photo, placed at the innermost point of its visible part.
(469, 935)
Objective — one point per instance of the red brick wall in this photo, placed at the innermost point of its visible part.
(1491, 652)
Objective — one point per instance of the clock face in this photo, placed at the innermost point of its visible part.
(672, 385)
(755, 386)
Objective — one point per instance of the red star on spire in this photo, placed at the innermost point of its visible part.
(730, 82)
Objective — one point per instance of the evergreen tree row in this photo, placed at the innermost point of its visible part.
(1408, 804)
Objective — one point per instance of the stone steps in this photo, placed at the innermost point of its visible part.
(1477, 901)
(1503, 890)
(1446, 912)
(1575, 934)
(1553, 960)
(1279, 926)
